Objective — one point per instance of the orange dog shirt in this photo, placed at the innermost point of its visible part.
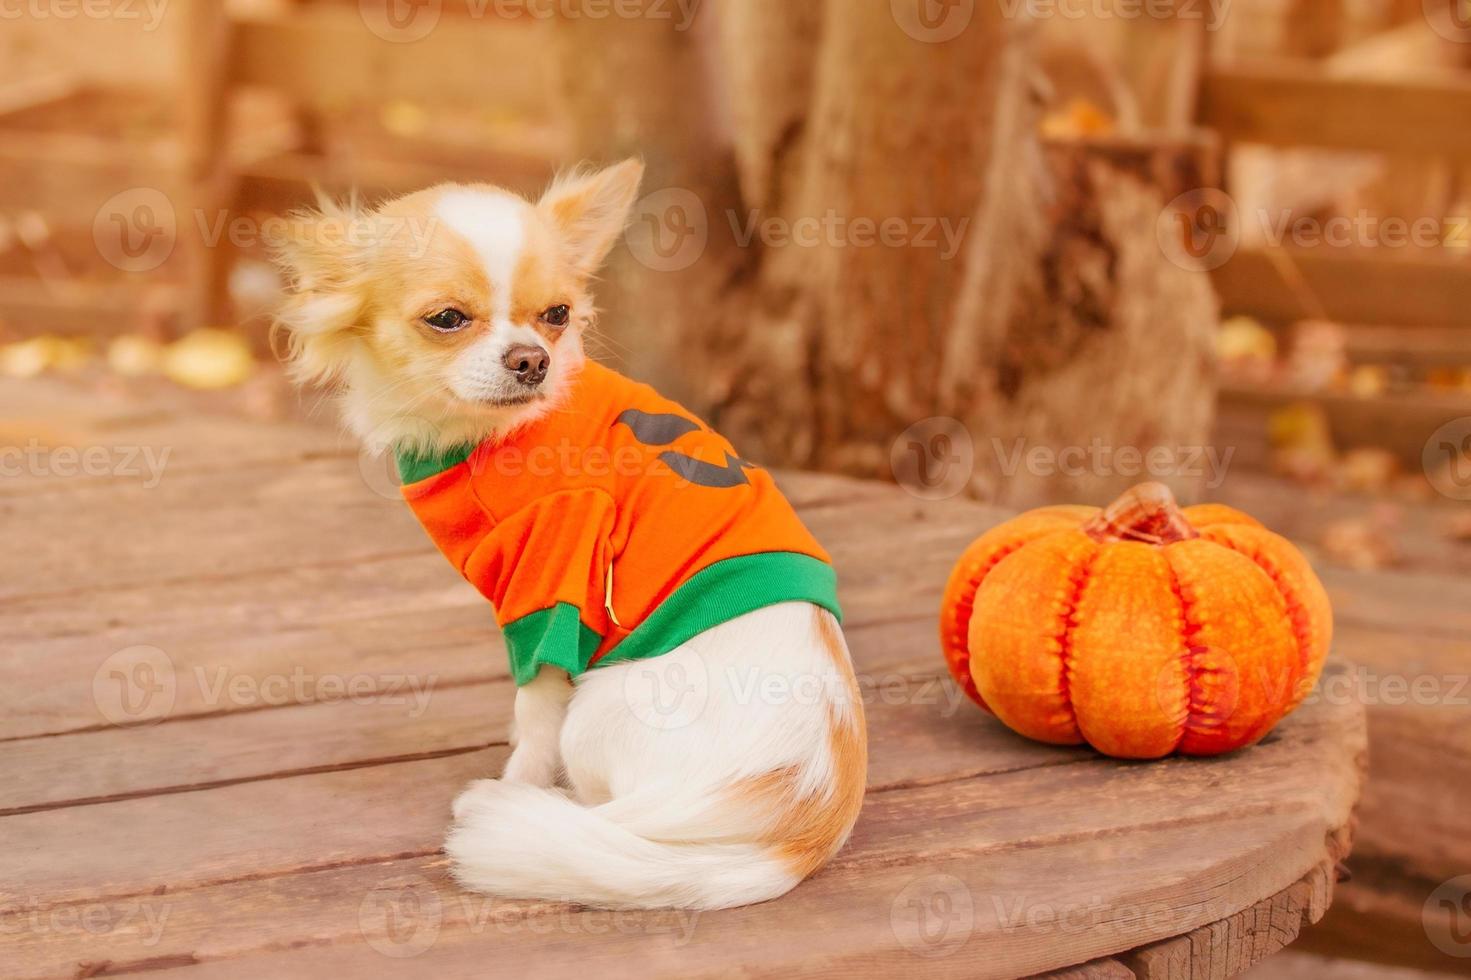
(615, 528)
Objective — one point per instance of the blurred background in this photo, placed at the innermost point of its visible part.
(1066, 244)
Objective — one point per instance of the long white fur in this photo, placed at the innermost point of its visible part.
(654, 808)
(649, 819)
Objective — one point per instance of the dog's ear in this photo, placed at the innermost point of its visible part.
(591, 209)
(320, 258)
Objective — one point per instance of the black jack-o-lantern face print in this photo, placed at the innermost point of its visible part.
(662, 429)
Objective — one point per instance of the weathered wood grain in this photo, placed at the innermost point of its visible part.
(1294, 786)
(1401, 423)
(1347, 285)
(1297, 103)
(407, 918)
(281, 831)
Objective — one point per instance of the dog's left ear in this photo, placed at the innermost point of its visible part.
(591, 210)
(322, 310)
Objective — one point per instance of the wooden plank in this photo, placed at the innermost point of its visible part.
(292, 861)
(279, 731)
(1407, 47)
(1295, 965)
(407, 916)
(37, 92)
(1414, 347)
(328, 57)
(1416, 603)
(82, 853)
(1400, 423)
(172, 484)
(29, 307)
(1350, 286)
(220, 644)
(1297, 103)
(1233, 945)
(283, 181)
(1305, 513)
(395, 717)
(379, 812)
(1382, 921)
(243, 836)
(376, 620)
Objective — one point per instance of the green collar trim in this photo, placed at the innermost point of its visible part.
(413, 467)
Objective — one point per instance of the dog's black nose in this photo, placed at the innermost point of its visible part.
(528, 363)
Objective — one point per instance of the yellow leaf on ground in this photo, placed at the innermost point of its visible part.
(208, 358)
(133, 356)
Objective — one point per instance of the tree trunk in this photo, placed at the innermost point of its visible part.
(885, 241)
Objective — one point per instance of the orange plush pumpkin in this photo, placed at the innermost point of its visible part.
(1141, 629)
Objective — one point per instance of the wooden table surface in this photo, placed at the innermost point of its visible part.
(241, 693)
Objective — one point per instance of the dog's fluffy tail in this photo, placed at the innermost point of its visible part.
(526, 842)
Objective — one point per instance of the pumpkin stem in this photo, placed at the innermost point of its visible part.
(1146, 513)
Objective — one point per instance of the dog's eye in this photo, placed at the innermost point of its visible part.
(447, 321)
(556, 316)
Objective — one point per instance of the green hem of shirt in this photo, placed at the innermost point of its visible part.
(554, 637)
(557, 637)
(413, 467)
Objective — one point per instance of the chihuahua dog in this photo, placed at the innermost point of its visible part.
(687, 725)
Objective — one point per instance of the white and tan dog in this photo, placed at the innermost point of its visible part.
(455, 316)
